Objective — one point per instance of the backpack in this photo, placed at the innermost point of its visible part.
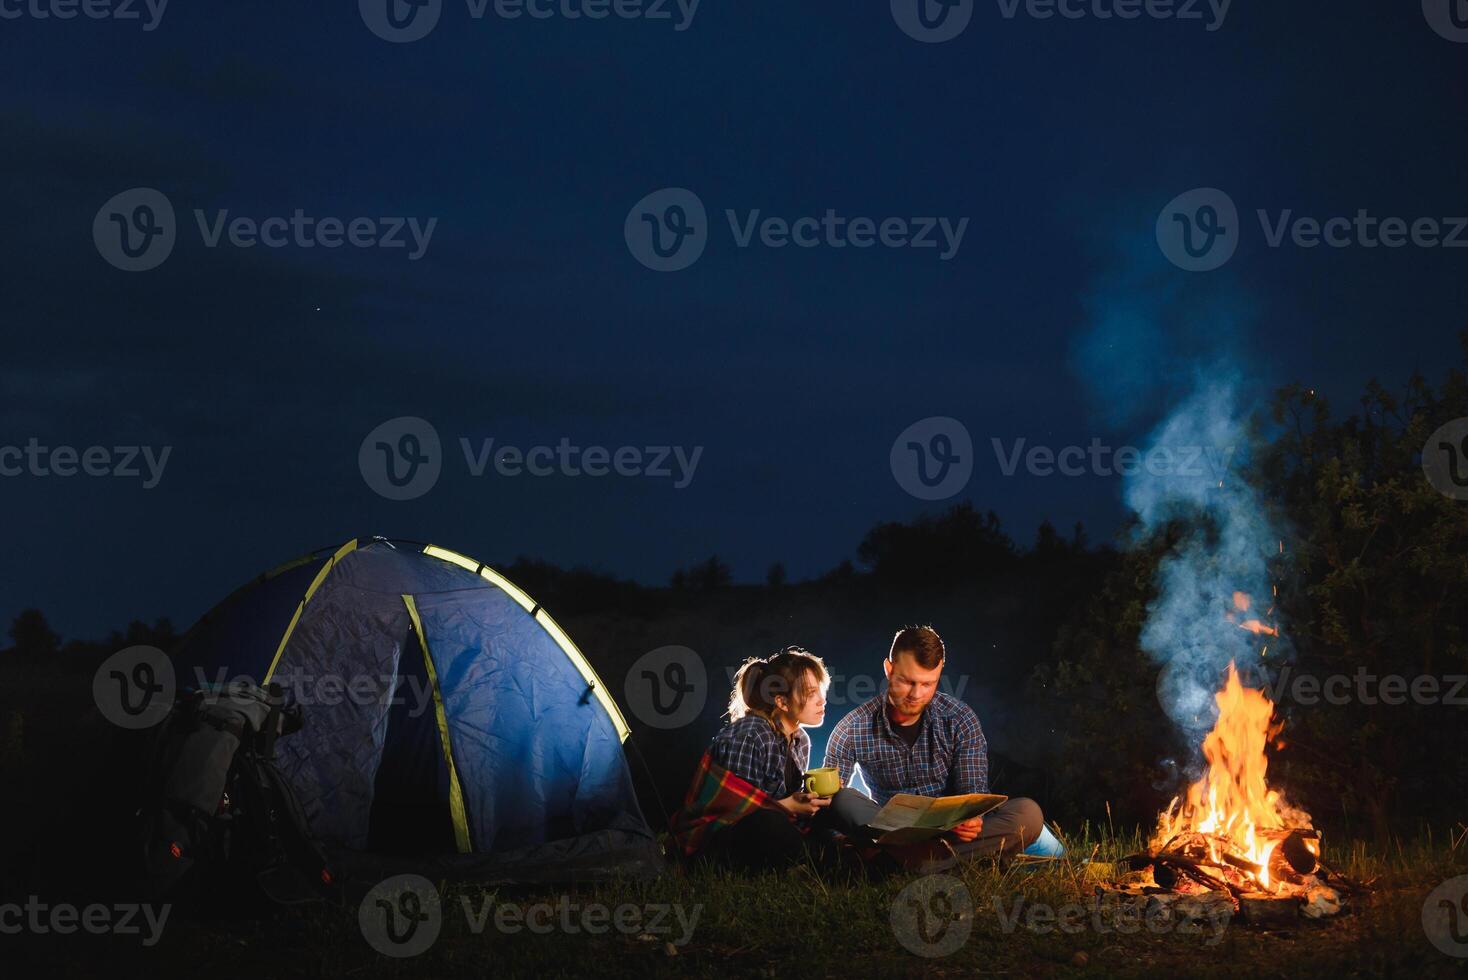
(219, 823)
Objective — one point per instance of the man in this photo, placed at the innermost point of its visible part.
(912, 738)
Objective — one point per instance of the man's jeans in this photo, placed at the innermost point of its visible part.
(767, 839)
(1015, 825)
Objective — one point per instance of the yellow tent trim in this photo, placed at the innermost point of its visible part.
(456, 792)
(573, 653)
(341, 553)
(587, 672)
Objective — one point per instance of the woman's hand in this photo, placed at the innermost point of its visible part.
(969, 829)
(804, 804)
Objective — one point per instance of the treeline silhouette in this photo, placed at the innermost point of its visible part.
(1374, 576)
(958, 545)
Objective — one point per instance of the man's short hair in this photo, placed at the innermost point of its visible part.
(922, 642)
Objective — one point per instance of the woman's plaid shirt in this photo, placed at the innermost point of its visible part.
(950, 756)
(753, 749)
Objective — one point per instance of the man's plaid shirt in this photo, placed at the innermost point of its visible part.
(753, 749)
(950, 756)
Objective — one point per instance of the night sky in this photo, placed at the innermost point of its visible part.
(528, 319)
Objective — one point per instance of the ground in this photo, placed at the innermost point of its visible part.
(707, 923)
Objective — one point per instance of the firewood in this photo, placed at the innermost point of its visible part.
(1243, 864)
(1296, 850)
(1270, 910)
(1176, 863)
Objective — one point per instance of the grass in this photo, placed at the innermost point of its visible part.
(796, 923)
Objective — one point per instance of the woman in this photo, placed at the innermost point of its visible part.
(747, 805)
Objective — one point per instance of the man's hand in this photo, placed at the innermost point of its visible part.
(969, 829)
(804, 804)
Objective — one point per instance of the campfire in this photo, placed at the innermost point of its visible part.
(1231, 838)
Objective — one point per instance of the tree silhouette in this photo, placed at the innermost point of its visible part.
(706, 576)
(32, 635)
(960, 544)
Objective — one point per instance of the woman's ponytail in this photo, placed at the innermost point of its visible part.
(747, 684)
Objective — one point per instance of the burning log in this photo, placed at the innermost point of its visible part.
(1230, 822)
(1170, 868)
(1230, 834)
(1301, 848)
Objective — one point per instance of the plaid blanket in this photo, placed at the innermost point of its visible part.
(717, 798)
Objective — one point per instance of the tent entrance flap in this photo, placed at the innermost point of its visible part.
(456, 792)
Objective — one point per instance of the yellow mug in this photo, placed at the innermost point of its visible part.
(823, 782)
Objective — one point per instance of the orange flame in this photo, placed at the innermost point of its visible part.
(1233, 800)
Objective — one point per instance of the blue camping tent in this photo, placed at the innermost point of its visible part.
(450, 724)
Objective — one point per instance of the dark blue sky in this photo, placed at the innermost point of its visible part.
(528, 319)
